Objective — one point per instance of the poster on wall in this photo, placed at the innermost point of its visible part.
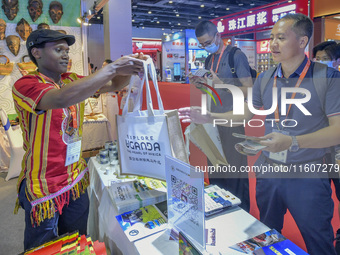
(173, 52)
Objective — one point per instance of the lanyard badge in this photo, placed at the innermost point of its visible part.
(73, 149)
(297, 85)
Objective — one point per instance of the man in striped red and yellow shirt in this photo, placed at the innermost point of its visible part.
(54, 177)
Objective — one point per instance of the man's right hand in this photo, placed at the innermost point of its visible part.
(127, 66)
(194, 114)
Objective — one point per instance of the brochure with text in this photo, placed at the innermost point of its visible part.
(135, 194)
(269, 243)
(144, 221)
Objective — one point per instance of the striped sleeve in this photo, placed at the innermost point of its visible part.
(28, 91)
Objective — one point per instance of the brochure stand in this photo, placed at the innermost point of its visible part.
(186, 200)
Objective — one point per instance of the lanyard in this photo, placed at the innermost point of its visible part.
(219, 59)
(71, 109)
(302, 76)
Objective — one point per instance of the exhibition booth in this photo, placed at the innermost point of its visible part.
(250, 31)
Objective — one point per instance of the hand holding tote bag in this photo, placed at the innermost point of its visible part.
(207, 139)
(145, 137)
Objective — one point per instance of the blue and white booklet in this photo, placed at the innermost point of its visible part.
(218, 199)
(269, 243)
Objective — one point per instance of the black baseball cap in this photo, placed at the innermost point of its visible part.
(47, 35)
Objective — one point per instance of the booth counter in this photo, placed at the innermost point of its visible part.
(232, 226)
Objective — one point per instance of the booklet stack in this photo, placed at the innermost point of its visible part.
(69, 244)
(132, 195)
(144, 221)
(268, 243)
(218, 199)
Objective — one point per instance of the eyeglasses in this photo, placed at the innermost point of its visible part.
(202, 46)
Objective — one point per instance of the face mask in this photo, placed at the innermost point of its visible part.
(212, 48)
(327, 63)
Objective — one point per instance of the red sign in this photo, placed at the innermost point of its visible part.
(262, 47)
(258, 17)
(146, 45)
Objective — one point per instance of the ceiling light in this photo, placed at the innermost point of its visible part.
(134, 6)
(179, 24)
(133, 20)
(162, 28)
(157, 22)
(240, 4)
(98, 17)
(199, 17)
(252, 3)
(149, 12)
(142, 27)
(227, 9)
(170, 2)
(202, 5)
(177, 15)
(289, 1)
(250, 11)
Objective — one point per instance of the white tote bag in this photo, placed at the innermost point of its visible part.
(144, 136)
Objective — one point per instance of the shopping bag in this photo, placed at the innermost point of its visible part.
(6, 69)
(207, 139)
(26, 67)
(145, 137)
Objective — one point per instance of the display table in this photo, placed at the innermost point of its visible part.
(96, 131)
(232, 226)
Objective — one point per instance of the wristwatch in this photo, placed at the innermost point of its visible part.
(295, 145)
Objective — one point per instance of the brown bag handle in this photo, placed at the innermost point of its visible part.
(23, 58)
(6, 59)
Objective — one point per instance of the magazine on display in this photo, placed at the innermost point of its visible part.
(202, 72)
(218, 199)
(250, 146)
(144, 221)
(269, 243)
(135, 194)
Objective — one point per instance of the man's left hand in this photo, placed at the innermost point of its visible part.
(215, 79)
